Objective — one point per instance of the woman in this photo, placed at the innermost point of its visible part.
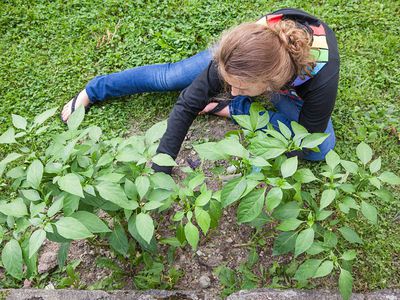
(289, 54)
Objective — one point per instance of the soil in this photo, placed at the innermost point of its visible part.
(224, 245)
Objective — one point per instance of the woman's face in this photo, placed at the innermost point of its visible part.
(240, 87)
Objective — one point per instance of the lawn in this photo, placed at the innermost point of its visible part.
(50, 50)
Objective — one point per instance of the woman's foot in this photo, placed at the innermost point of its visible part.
(82, 99)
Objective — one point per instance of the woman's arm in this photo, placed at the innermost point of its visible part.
(191, 101)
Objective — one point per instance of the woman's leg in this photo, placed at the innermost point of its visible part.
(150, 78)
(288, 110)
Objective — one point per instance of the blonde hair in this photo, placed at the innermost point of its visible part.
(255, 52)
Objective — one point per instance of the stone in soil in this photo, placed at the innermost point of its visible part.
(204, 281)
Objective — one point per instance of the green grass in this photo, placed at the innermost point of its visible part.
(49, 51)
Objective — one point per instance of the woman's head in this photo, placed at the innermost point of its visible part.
(255, 58)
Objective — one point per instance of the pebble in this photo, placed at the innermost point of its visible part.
(229, 240)
(204, 281)
(231, 169)
(199, 253)
(50, 286)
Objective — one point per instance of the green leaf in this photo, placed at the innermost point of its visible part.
(307, 269)
(316, 248)
(304, 241)
(349, 166)
(349, 255)
(287, 133)
(332, 159)
(364, 153)
(273, 198)
(202, 218)
(258, 161)
(390, 178)
(256, 120)
(12, 259)
(369, 211)
(203, 198)
(243, 121)
(31, 195)
(286, 211)
(231, 146)
(304, 176)
(232, 191)
(297, 128)
(323, 214)
(55, 207)
(19, 122)
(34, 173)
(152, 205)
(345, 284)
(330, 239)
(284, 243)
(41, 118)
(250, 206)
(164, 181)
(111, 177)
(350, 235)
(314, 140)
(151, 247)
(105, 159)
(71, 184)
(35, 241)
(289, 224)
(9, 158)
(196, 181)
(16, 208)
(375, 166)
(155, 132)
(63, 253)
(91, 221)
(115, 194)
(76, 118)
(142, 185)
(327, 197)
(163, 159)
(215, 212)
(289, 167)
(210, 151)
(71, 228)
(145, 226)
(129, 154)
(262, 121)
(119, 240)
(324, 269)
(191, 234)
(8, 137)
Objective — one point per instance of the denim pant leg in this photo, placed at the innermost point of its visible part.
(288, 110)
(149, 78)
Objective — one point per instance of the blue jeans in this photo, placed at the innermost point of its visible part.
(177, 76)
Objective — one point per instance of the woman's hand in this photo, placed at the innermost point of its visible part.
(222, 113)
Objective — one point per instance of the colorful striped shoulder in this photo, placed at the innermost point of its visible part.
(319, 47)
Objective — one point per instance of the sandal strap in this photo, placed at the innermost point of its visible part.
(73, 103)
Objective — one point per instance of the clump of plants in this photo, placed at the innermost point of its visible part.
(59, 193)
(313, 213)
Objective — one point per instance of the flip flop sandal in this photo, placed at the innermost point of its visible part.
(87, 108)
(221, 105)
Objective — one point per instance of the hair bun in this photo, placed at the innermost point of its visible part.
(297, 42)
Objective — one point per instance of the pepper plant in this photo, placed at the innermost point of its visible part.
(313, 213)
(59, 193)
